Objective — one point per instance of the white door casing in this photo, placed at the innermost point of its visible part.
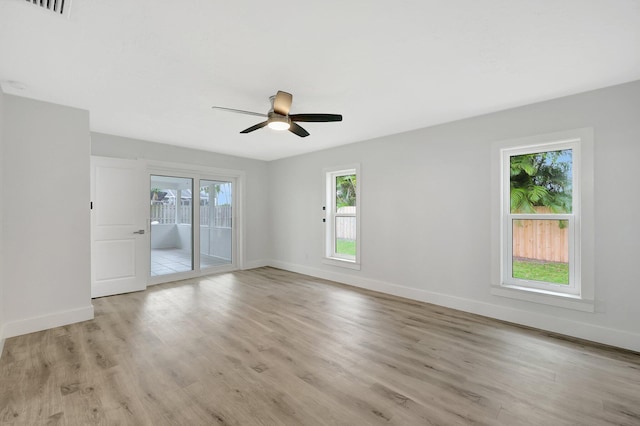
(119, 230)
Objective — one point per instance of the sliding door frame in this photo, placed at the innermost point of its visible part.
(198, 173)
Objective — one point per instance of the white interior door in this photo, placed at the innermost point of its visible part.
(119, 234)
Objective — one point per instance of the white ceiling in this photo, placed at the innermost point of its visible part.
(153, 69)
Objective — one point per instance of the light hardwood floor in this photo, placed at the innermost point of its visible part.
(269, 347)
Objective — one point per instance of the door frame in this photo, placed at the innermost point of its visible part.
(198, 173)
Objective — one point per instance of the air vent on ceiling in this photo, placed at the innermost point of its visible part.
(57, 6)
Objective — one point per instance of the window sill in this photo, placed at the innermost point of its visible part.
(343, 263)
(562, 300)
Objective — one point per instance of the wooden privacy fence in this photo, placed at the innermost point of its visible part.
(542, 240)
(216, 216)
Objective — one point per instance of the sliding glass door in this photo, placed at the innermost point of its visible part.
(216, 223)
(171, 225)
(192, 232)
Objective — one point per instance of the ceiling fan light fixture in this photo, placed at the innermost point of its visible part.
(278, 123)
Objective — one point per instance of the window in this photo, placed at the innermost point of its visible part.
(342, 217)
(541, 208)
(543, 247)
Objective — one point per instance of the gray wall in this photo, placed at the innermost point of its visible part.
(426, 212)
(1, 211)
(45, 212)
(256, 186)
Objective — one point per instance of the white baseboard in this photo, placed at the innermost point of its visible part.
(56, 319)
(251, 264)
(608, 336)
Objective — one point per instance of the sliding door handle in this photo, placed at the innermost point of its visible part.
(141, 231)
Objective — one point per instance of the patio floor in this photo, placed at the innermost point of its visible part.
(172, 260)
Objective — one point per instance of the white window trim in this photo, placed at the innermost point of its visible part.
(573, 220)
(581, 221)
(328, 176)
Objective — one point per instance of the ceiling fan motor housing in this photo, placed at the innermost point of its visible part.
(274, 117)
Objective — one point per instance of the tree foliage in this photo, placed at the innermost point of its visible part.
(541, 179)
(345, 191)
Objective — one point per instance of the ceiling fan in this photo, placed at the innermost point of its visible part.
(278, 117)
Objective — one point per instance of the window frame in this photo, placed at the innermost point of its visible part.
(583, 227)
(573, 219)
(331, 214)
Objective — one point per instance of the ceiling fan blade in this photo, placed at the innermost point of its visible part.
(239, 111)
(282, 103)
(298, 130)
(317, 118)
(256, 127)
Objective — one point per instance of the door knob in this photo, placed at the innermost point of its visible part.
(141, 231)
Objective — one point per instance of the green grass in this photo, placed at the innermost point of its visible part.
(550, 272)
(346, 247)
